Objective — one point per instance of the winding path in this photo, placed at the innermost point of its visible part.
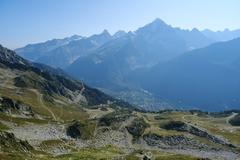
(230, 117)
(82, 89)
(40, 99)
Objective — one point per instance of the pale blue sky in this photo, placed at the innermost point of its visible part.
(29, 21)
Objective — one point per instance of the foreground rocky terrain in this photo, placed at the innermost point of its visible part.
(45, 115)
(120, 134)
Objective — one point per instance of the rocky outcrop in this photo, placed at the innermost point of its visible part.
(113, 119)
(74, 130)
(81, 130)
(183, 127)
(10, 106)
(137, 127)
(235, 121)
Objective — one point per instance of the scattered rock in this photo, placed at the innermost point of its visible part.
(173, 142)
(35, 134)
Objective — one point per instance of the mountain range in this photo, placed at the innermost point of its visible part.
(152, 63)
(161, 42)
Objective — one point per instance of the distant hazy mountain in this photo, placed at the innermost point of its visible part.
(62, 52)
(119, 34)
(35, 51)
(152, 43)
(149, 45)
(225, 35)
(207, 78)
